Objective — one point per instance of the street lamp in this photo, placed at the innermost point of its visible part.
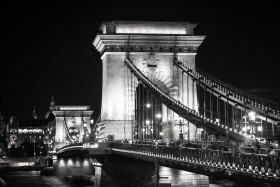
(34, 148)
(158, 116)
(252, 115)
(181, 129)
(259, 131)
(252, 118)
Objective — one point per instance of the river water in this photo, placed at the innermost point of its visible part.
(33, 178)
(74, 173)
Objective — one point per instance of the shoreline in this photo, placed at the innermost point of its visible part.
(22, 168)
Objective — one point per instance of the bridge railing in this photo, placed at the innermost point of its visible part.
(246, 98)
(184, 111)
(258, 164)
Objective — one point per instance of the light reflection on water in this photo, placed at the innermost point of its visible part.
(33, 178)
(69, 173)
(74, 173)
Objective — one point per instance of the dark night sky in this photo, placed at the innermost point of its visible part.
(47, 48)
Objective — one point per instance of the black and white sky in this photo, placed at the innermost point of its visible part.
(47, 48)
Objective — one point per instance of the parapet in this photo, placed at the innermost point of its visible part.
(145, 27)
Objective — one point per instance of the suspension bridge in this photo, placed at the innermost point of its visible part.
(154, 95)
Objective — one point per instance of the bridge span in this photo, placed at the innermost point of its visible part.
(152, 92)
(259, 169)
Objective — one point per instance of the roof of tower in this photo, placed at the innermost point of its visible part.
(34, 115)
(147, 27)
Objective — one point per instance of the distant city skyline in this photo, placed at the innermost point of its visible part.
(49, 52)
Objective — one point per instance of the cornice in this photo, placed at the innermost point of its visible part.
(132, 42)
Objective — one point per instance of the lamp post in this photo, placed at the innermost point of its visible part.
(34, 149)
(252, 118)
(158, 116)
(259, 131)
(181, 130)
(181, 124)
(147, 128)
(91, 124)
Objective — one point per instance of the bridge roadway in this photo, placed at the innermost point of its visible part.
(259, 169)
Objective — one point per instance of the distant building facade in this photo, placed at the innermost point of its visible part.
(19, 131)
(62, 125)
(72, 124)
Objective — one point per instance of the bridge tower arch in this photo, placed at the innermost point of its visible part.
(152, 47)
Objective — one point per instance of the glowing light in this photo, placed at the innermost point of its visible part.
(244, 129)
(259, 128)
(148, 105)
(94, 145)
(74, 108)
(248, 127)
(147, 122)
(144, 28)
(252, 115)
(217, 120)
(85, 124)
(158, 115)
(161, 133)
(143, 130)
(91, 121)
(70, 162)
(85, 163)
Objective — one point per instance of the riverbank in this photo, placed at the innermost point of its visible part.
(23, 168)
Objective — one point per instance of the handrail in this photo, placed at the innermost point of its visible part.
(233, 93)
(192, 115)
(254, 164)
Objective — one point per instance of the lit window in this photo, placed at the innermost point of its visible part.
(39, 137)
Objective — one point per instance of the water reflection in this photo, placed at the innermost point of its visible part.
(67, 173)
(80, 172)
(33, 178)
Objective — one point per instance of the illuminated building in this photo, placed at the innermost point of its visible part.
(72, 124)
(62, 125)
(151, 46)
(19, 131)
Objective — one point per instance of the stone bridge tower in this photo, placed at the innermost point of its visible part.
(151, 46)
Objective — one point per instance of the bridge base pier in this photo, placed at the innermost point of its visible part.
(122, 171)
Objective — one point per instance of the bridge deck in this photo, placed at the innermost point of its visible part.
(231, 165)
